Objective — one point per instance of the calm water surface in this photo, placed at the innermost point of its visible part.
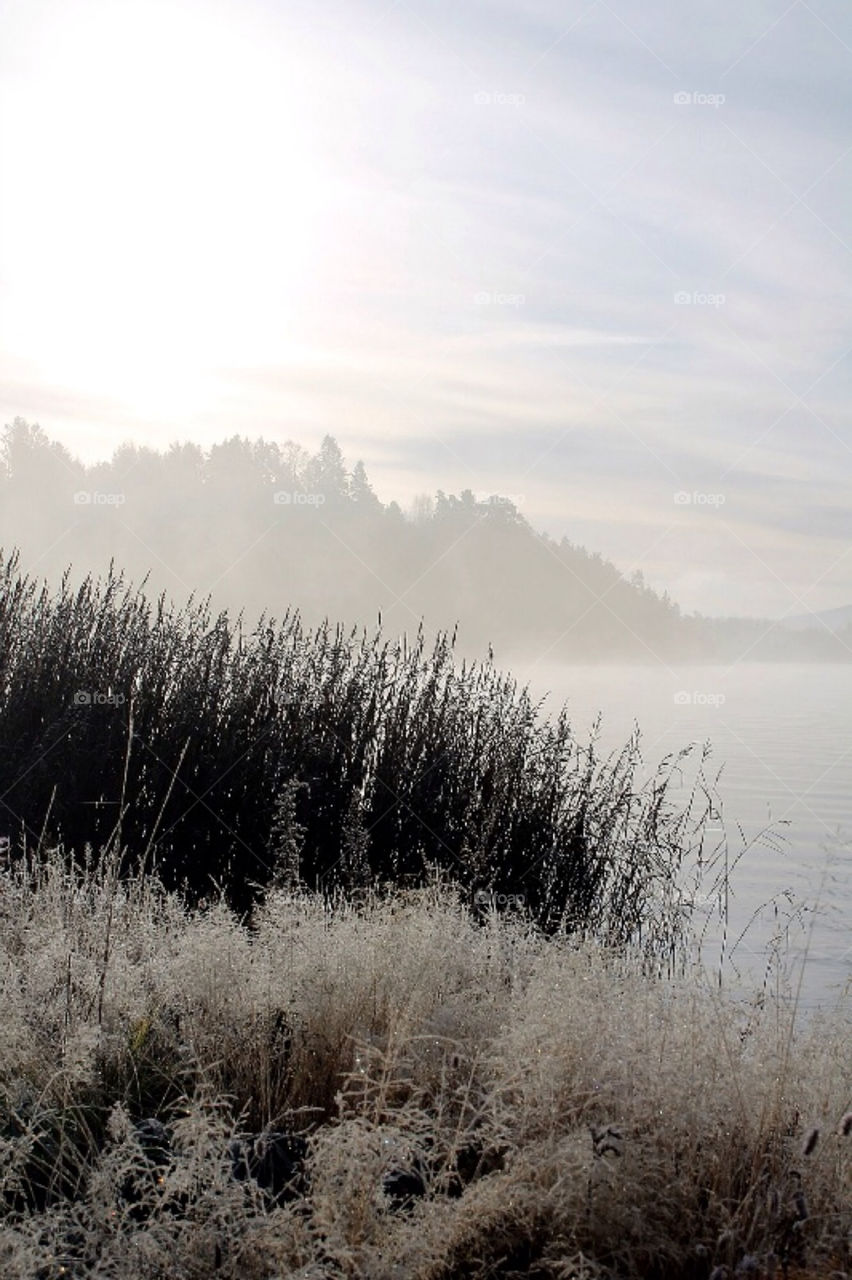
(782, 735)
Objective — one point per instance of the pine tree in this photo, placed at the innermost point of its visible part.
(326, 472)
(360, 489)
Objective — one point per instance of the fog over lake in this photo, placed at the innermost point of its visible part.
(782, 736)
(425, 639)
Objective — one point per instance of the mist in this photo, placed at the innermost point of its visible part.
(266, 529)
(589, 256)
(425, 637)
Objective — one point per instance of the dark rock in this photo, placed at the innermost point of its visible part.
(472, 1162)
(140, 1187)
(275, 1160)
(403, 1185)
(153, 1138)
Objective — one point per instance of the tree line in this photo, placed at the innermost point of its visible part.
(266, 527)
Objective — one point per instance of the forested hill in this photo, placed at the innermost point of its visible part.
(263, 527)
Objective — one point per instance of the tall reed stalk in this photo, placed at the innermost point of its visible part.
(196, 744)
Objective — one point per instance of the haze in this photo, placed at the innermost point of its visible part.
(591, 255)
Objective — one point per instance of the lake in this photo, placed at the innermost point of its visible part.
(782, 735)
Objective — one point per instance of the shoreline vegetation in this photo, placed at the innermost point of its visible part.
(326, 956)
(395, 1088)
(334, 761)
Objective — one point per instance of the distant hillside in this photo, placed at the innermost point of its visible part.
(263, 527)
(837, 620)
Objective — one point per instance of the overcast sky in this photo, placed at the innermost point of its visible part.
(595, 255)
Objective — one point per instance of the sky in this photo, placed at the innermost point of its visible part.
(592, 255)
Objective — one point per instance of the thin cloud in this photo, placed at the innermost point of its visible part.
(590, 238)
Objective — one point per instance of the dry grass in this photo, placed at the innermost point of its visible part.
(568, 1116)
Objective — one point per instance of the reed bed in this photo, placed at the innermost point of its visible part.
(475, 1098)
(335, 761)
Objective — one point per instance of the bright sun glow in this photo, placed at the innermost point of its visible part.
(171, 211)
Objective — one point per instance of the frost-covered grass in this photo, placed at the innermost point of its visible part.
(564, 1113)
